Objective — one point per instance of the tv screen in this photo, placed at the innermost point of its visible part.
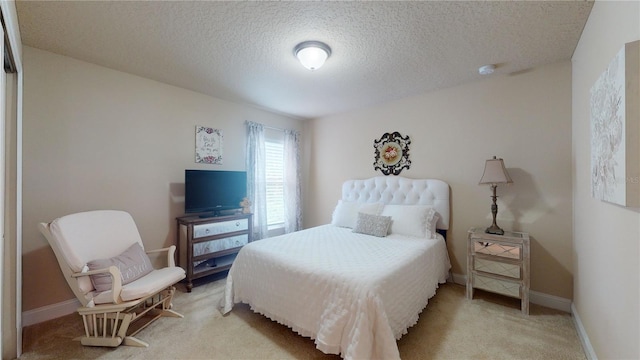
(213, 190)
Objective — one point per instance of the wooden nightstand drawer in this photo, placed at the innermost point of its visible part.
(495, 267)
(503, 287)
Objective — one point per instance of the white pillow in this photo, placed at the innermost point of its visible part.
(346, 212)
(412, 220)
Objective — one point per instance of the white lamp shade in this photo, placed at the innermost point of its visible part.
(495, 172)
(312, 54)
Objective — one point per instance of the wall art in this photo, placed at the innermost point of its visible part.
(208, 145)
(615, 130)
(392, 153)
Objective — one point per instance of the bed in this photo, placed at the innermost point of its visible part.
(352, 292)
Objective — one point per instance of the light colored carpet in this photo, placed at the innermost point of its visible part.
(451, 327)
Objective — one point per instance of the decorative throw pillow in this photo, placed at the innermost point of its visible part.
(133, 264)
(346, 212)
(375, 225)
(412, 220)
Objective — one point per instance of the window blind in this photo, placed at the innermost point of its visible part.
(275, 182)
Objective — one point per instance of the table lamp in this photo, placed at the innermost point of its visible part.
(495, 173)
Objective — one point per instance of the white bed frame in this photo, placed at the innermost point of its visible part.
(398, 190)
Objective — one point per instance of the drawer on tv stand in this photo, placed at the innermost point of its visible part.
(222, 227)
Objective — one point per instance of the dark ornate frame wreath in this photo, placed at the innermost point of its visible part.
(392, 153)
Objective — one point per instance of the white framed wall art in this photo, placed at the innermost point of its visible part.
(615, 130)
(208, 145)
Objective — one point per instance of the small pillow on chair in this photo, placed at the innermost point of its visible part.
(133, 264)
(375, 225)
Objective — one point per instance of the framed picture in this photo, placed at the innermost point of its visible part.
(208, 145)
(392, 153)
(615, 130)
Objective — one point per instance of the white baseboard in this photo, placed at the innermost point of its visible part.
(538, 298)
(459, 279)
(550, 301)
(582, 334)
(49, 312)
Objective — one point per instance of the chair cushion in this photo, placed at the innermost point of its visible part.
(91, 235)
(133, 264)
(147, 285)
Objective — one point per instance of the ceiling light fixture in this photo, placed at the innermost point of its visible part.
(487, 69)
(312, 54)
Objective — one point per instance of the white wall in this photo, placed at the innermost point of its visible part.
(606, 236)
(524, 118)
(96, 138)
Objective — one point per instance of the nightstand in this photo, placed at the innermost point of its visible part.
(499, 264)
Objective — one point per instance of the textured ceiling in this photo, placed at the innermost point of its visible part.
(243, 51)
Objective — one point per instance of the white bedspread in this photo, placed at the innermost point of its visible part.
(354, 294)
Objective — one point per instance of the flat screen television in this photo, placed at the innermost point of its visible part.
(213, 191)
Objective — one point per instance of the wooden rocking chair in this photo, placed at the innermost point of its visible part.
(114, 315)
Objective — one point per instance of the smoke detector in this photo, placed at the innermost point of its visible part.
(486, 69)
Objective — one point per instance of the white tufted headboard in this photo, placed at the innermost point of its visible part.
(401, 191)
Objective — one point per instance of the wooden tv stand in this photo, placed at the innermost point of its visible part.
(215, 240)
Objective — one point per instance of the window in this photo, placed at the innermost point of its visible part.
(273, 173)
(274, 151)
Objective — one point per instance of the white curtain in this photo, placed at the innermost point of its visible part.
(256, 178)
(292, 176)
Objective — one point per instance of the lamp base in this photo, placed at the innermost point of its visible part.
(494, 229)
